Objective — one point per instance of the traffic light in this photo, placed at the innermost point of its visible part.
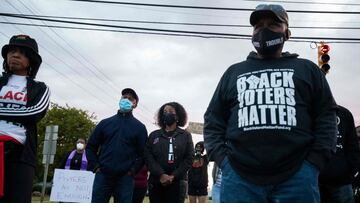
(323, 57)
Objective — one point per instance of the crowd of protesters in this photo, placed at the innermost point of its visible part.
(272, 129)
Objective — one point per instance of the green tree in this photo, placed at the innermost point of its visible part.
(73, 124)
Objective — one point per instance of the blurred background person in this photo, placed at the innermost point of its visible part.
(76, 159)
(140, 185)
(198, 175)
(336, 178)
(356, 182)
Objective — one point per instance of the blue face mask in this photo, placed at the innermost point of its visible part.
(125, 105)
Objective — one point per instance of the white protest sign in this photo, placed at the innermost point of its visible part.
(72, 186)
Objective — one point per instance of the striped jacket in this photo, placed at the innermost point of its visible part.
(37, 104)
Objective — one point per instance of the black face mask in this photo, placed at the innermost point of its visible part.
(169, 119)
(198, 152)
(267, 42)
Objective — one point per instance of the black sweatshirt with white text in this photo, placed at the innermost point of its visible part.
(268, 116)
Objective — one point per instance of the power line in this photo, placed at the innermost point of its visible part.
(180, 12)
(66, 77)
(116, 26)
(75, 83)
(166, 30)
(210, 8)
(307, 2)
(63, 48)
(122, 31)
(87, 91)
(107, 79)
(68, 65)
(179, 23)
(80, 86)
(292, 39)
(69, 45)
(74, 57)
(95, 84)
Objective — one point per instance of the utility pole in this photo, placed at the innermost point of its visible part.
(49, 151)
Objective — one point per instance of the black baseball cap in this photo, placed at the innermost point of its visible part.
(130, 91)
(273, 10)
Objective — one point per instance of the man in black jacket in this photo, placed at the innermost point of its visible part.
(115, 152)
(271, 123)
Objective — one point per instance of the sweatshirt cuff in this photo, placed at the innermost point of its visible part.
(132, 172)
(219, 159)
(318, 159)
(96, 167)
(157, 172)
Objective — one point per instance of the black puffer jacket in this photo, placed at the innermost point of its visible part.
(157, 150)
(38, 95)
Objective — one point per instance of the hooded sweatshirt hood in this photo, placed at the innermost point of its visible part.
(254, 55)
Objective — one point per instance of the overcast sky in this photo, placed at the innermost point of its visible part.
(167, 68)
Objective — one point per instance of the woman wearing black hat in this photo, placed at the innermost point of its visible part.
(169, 152)
(23, 102)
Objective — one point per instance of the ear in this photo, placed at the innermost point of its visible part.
(287, 34)
(134, 104)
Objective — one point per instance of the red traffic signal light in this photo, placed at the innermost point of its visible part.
(323, 57)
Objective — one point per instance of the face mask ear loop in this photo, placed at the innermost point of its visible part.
(29, 71)
(287, 34)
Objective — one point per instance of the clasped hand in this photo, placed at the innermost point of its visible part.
(166, 179)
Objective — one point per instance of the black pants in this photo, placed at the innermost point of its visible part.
(138, 195)
(164, 194)
(18, 177)
(183, 191)
(338, 194)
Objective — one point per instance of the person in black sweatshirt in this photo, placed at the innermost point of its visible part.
(115, 152)
(271, 123)
(23, 103)
(335, 180)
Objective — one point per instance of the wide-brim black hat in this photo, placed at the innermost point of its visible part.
(30, 44)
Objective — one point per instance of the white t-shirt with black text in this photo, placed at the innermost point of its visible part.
(14, 95)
